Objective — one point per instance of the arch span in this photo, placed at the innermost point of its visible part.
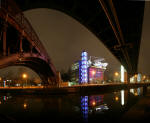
(118, 24)
(33, 61)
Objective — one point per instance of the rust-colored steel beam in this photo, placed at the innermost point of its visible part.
(10, 11)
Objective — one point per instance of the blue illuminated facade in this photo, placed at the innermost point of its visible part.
(83, 68)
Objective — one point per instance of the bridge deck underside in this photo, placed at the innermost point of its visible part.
(91, 14)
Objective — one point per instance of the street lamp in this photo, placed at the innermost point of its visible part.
(25, 76)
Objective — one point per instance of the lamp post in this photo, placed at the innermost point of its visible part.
(25, 76)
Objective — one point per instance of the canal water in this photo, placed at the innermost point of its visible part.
(115, 106)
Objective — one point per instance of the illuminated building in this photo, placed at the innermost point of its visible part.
(88, 69)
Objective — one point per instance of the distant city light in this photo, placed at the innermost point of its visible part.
(139, 77)
(144, 77)
(4, 83)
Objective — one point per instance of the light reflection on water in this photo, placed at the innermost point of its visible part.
(87, 108)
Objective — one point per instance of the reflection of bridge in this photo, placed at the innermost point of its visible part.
(117, 24)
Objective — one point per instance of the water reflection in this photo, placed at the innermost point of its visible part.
(137, 91)
(89, 108)
(25, 106)
(122, 97)
(103, 104)
(84, 107)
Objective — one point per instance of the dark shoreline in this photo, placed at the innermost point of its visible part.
(83, 90)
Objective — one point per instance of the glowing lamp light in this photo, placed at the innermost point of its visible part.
(24, 76)
(93, 72)
(25, 105)
(136, 94)
(144, 77)
(93, 103)
(116, 98)
(116, 73)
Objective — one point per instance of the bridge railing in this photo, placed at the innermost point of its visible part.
(13, 10)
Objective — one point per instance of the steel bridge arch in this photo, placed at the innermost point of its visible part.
(117, 23)
(34, 62)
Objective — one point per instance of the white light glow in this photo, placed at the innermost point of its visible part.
(122, 73)
(122, 97)
(138, 77)
(100, 65)
(132, 91)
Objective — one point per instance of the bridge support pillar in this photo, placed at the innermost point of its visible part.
(128, 78)
(4, 39)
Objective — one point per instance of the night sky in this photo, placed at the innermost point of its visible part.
(65, 38)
